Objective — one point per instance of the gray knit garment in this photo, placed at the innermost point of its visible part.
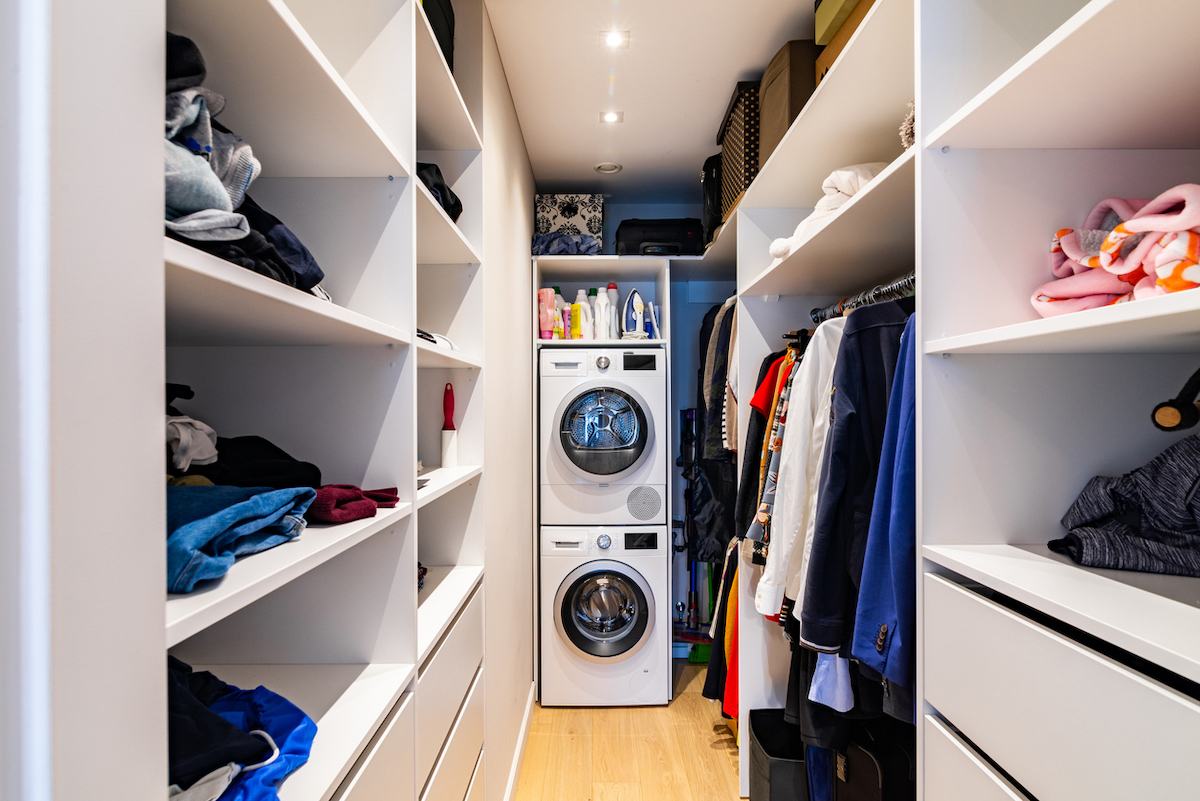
(1147, 520)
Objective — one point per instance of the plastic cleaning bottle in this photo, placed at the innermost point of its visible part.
(614, 305)
(566, 315)
(559, 302)
(603, 316)
(581, 311)
(557, 332)
(546, 312)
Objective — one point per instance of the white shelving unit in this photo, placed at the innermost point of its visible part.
(1017, 413)
(332, 620)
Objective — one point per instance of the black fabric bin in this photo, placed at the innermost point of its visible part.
(777, 771)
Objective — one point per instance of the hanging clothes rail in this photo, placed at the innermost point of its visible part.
(893, 290)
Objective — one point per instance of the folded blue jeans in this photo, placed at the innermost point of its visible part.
(210, 527)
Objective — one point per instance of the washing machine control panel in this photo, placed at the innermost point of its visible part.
(602, 540)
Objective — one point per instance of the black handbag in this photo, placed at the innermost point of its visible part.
(441, 19)
(431, 176)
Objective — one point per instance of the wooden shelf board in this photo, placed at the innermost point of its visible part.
(1165, 324)
(601, 343)
(430, 355)
(210, 301)
(347, 702)
(853, 117)
(871, 239)
(1029, 107)
(447, 589)
(252, 577)
(439, 240)
(1153, 616)
(443, 121)
(283, 96)
(445, 479)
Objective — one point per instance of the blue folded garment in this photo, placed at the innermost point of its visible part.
(291, 730)
(208, 528)
(557, 243)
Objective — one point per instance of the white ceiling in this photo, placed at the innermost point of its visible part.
(673, 84)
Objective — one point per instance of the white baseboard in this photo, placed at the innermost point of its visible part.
(514, 772)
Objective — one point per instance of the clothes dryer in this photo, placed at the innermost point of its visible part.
(605, 613)
(603, 435)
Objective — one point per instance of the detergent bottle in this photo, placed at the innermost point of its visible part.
(587, 326)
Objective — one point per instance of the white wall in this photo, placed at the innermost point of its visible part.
(508, 482)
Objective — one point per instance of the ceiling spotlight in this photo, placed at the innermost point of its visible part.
(612, 116)
(607, 168)
(617, 40)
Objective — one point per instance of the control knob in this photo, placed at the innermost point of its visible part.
(602, 362)
(604, 542)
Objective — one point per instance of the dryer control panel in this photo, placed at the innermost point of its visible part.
(603, 362)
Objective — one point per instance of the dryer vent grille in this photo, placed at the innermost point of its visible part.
(644, 503)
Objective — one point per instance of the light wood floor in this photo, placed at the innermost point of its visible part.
(681, 752)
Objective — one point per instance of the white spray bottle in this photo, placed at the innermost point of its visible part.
(614, 306)
(604, 316)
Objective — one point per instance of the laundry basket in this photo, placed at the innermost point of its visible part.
(777, 770)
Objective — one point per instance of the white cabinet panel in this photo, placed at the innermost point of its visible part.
(444, 681)
(385, 773)
(953, 771)
(1064, 721)
(453, 772)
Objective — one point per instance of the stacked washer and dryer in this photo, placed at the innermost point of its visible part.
(605, 535)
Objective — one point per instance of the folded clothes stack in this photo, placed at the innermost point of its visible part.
(236, 496)
(208, 171)
(229, 743)
(841, 185)
(1126, 250)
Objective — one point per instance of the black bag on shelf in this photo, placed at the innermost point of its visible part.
(441, 19)
(683, 237)
(710, 184)
(431, 176)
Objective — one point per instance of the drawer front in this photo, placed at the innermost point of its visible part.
(953, 771)
(452, 774)
(475, 791)
(444, 681)
(1064, 721)
(385, 771)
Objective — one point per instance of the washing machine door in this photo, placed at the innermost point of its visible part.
(604, 611)
(604, 431)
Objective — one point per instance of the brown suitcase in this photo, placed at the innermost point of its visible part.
(787, 83)
(738, 139)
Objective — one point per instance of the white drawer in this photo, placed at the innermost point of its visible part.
(954, 772)
(452, 774)
(1061, 719)
(444, 680)
(475, 791)
(385, 771)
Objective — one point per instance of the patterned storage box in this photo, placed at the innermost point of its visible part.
(738, 139)
(570, 214)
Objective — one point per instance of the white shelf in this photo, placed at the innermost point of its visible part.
(252, 577)
(600, 343)
(430, 355)
(869, 240)
(347, 702)
(447, 589)
(719, 262)
(439, 240)
(853, 116)
(1153, 616)
(443, 122)
(1165, 324)
(1050, 98)
(445, 479)
(210, 301)
(283, 95)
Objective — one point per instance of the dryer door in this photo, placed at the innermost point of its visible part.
(604, 611)
(604, 432)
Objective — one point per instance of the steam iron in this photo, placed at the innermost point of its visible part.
(633, 316)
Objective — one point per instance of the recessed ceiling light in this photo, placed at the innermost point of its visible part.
(607, 168)
(612, 116)
(617, 40)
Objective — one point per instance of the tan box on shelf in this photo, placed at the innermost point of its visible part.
(838, 43)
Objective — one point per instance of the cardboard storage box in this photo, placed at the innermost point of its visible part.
(838, 43)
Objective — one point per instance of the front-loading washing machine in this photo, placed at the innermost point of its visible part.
(603, 434)
(605, 611)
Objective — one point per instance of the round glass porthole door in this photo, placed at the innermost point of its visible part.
(603, 433)
(604, 611)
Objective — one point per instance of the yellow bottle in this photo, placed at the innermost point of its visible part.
(576, 332)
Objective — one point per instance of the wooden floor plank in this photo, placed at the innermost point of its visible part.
(616, 791)
(534, 768)
(569, 762)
